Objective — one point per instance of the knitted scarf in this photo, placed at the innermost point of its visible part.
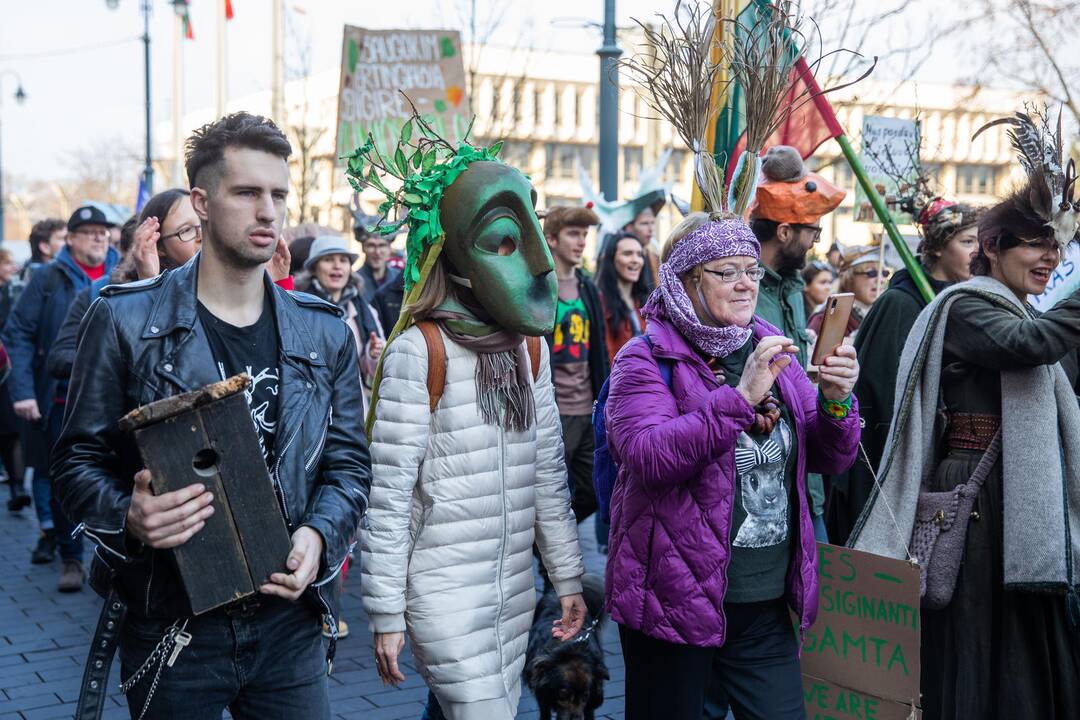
(503, 388)
(1040, 455)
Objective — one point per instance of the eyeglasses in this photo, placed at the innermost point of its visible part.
(815, 229)
(730, 275)
(99, 232)
(186, 234)
(873, 273)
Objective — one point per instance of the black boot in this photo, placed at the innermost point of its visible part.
(19, 499)
(45, 551)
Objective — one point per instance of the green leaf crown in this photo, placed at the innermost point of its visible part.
(423, 170)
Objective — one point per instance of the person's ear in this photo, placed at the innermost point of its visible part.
(784, 233)
(200, 202)
(552, 242)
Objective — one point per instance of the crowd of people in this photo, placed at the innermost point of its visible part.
(733, 454)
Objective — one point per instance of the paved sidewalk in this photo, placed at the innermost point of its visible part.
(44, 637)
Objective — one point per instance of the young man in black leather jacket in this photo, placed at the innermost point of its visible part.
(216, 316)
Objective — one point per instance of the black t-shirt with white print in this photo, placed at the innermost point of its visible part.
(252, 350)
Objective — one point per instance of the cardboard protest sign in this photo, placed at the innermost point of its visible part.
(1063, 283)
(890, 155)
(377, 66)
(826, 701)
(863, 649)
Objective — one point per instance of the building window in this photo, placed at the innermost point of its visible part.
(496, 102)
(562, 159)
(976, 179)
(845, 178)
(932, 171)
(579, 98)
(516, 154)
(676, 164)
(517, 99)
(558, 107)
(538, 97)
(633, 158)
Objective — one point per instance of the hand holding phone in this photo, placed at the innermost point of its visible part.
(833, 327)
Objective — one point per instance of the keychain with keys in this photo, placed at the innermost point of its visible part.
(180, 641)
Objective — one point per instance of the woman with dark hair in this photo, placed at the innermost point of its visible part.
(948, 245)
(818, 277)
(623, 289)
(988, 412)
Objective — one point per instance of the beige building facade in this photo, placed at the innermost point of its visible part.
(545, 108)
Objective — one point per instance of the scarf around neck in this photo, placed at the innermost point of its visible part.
(1040, 423)
(504, 393)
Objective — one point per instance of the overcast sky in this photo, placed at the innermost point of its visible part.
(82, 70)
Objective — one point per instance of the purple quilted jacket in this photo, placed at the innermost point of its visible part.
(672, 503)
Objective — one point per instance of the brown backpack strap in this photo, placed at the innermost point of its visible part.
(436, 369)
(532, 344)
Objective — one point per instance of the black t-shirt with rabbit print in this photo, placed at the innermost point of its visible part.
(764, 519)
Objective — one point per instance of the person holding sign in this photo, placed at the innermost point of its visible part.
(981, 471)
(712, 540)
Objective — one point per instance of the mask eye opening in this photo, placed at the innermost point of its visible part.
(508, 246)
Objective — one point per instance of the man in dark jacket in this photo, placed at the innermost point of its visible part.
(388, 301)
(38, 397)
(214, 317)
(376, 272)
(579, 358)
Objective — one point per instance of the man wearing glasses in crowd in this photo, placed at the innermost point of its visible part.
(786, 218)
(38, 397)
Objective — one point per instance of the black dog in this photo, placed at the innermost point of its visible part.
(567, 678)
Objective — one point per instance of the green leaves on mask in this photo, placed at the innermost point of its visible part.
(424, 169)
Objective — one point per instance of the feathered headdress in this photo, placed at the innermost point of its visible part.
(1048, 196)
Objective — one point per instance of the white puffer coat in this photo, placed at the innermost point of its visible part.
(454, 510)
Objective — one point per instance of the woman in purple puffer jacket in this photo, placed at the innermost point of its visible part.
(711, 536)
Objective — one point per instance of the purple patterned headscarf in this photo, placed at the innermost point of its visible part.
(714, 240)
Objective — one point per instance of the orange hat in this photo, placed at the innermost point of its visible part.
(790, 194)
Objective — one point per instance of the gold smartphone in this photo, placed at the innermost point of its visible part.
(833, 326)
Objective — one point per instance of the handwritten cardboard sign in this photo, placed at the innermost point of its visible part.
(826, 701)
(890, 151)
(377, 66)
(860, 659)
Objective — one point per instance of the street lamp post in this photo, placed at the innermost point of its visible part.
(609, 53)
(148, 169)
(20, 97)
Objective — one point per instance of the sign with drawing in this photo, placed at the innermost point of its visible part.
(860, 659)
(379, 68)
(890, 156)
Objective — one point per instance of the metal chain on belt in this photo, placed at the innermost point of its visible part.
(166, 650)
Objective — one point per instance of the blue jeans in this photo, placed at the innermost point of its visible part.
(820, 533)
(71, 548)
(266, 663)
(41, 486)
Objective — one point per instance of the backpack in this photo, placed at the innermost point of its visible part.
(436, 350)
(605, 469)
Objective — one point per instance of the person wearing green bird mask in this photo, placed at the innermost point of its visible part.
(467, 447)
